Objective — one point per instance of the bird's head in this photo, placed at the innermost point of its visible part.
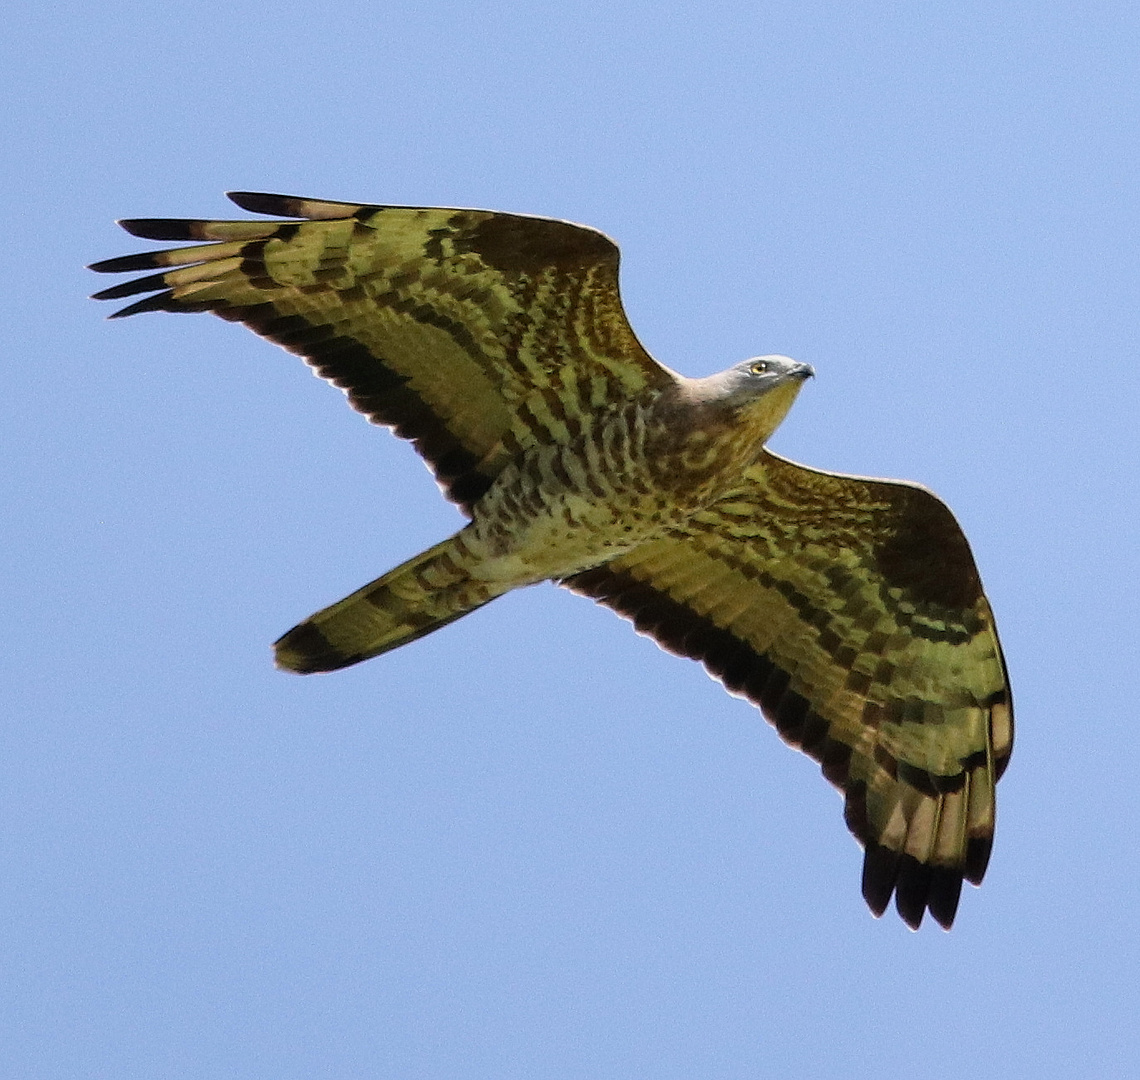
(759, 391)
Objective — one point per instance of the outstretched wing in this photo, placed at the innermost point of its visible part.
(474, 334)
(851, 612)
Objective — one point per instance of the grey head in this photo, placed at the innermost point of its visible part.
(750, 380)
(752, 397)
(753, 378)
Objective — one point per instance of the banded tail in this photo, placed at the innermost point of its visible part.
(419, 596)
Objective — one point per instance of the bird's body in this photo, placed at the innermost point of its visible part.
(848, 609)
(634, 473)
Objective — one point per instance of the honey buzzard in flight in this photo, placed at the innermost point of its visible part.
(848, 609)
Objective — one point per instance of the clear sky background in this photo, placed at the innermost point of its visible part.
(534, 845)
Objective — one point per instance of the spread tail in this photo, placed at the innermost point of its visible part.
(420, 596)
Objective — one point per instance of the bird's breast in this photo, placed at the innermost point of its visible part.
(567, 506)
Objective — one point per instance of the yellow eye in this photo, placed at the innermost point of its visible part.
(759, 367)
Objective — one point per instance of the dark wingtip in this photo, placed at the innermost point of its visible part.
(125, 264)
(880, 871)
(942, 898)
(163, 301)
(912, 890)
(917, 887)
(978, 858)
(306, 651)
(163, 228)
(262, 202)
(131, 288)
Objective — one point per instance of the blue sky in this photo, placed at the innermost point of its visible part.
(534, 845)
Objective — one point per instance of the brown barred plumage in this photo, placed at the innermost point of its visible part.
(848, 609)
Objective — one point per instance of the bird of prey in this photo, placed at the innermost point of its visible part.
(848, 609)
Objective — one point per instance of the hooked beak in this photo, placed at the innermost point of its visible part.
(802, 371)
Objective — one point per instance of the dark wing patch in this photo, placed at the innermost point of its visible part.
(446, 325)
(886, 673)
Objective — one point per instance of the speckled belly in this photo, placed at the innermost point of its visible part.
(569, 507)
